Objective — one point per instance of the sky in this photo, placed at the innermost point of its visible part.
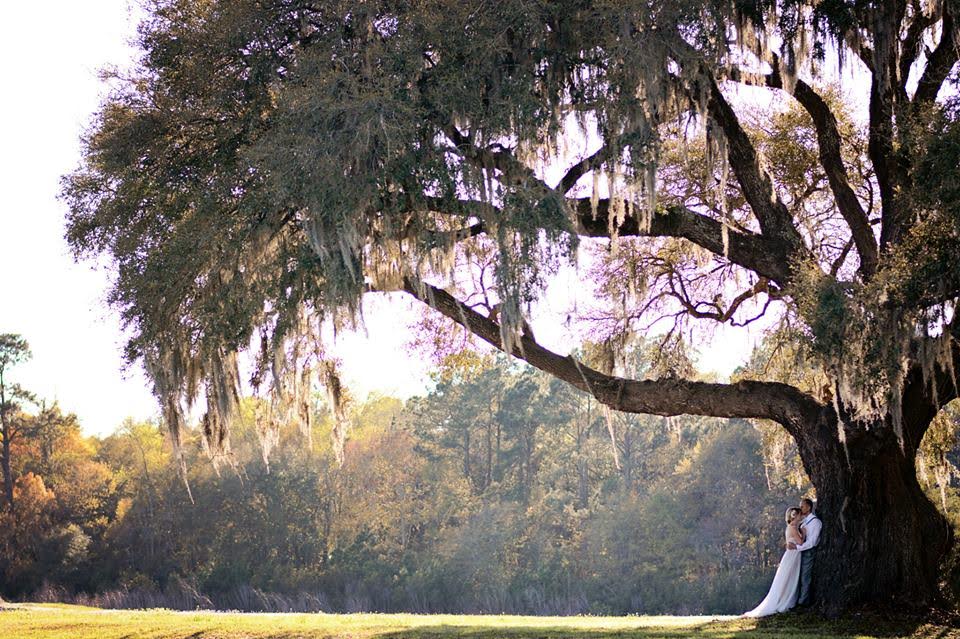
(49, 57)
(50, 54)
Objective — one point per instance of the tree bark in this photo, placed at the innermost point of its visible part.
(886, 540)
(882, 541)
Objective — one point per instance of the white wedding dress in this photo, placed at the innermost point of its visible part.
(785, 587)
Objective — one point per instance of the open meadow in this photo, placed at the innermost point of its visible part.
(52, 621)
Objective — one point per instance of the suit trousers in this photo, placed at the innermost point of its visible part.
(806, 577)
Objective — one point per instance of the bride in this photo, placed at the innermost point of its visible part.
(783, 590)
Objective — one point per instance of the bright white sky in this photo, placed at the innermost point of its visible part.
(49, 57)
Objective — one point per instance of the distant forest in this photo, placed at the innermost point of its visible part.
(502, 490)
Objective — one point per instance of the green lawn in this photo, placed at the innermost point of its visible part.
(49, 621)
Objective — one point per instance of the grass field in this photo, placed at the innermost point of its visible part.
(51, 621)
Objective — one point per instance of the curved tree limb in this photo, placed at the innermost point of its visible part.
(442, 238)
(940, 62)
(592, 162)
(910, 44)
(667, 396)
(749, 250)
(920, 406)
(767, 254)
(862, 50)
(828, 142)
(775, 220)
(499, 158)
(584, 166)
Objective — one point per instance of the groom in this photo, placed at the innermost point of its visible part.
(810, 525)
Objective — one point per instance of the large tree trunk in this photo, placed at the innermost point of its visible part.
(883, 541)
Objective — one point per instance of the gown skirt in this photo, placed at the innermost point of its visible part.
(784, 589)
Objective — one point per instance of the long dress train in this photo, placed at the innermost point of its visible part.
(785, 587)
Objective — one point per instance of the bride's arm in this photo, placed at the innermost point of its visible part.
(797, 534)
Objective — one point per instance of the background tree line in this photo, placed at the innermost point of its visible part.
(502, 489)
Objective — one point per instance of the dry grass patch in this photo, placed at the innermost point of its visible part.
(52, 621)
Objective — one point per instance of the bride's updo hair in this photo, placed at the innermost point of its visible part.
(791, 513)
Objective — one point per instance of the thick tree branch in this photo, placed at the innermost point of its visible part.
(584, 166)
(754, 252)
(749, 250)
(771, 253)
(828, 142)
(920, 405)
(863, 51)
(444, 238)
(593, 162)
(746, 399)
(496, 157)
(910, 45)
(882, 134)
(775, 220)
(451, 206)
(940, 62)
(767, 254)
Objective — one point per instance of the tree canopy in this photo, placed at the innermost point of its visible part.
(265, 164)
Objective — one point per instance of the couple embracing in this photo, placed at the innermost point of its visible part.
(791, 584)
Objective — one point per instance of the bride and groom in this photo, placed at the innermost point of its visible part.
(791, 584)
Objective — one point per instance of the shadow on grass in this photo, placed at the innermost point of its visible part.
(789, 626)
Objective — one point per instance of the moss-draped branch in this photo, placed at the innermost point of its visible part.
(342, 141)
(670, 396)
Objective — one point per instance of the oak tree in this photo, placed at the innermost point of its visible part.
(268, 163)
